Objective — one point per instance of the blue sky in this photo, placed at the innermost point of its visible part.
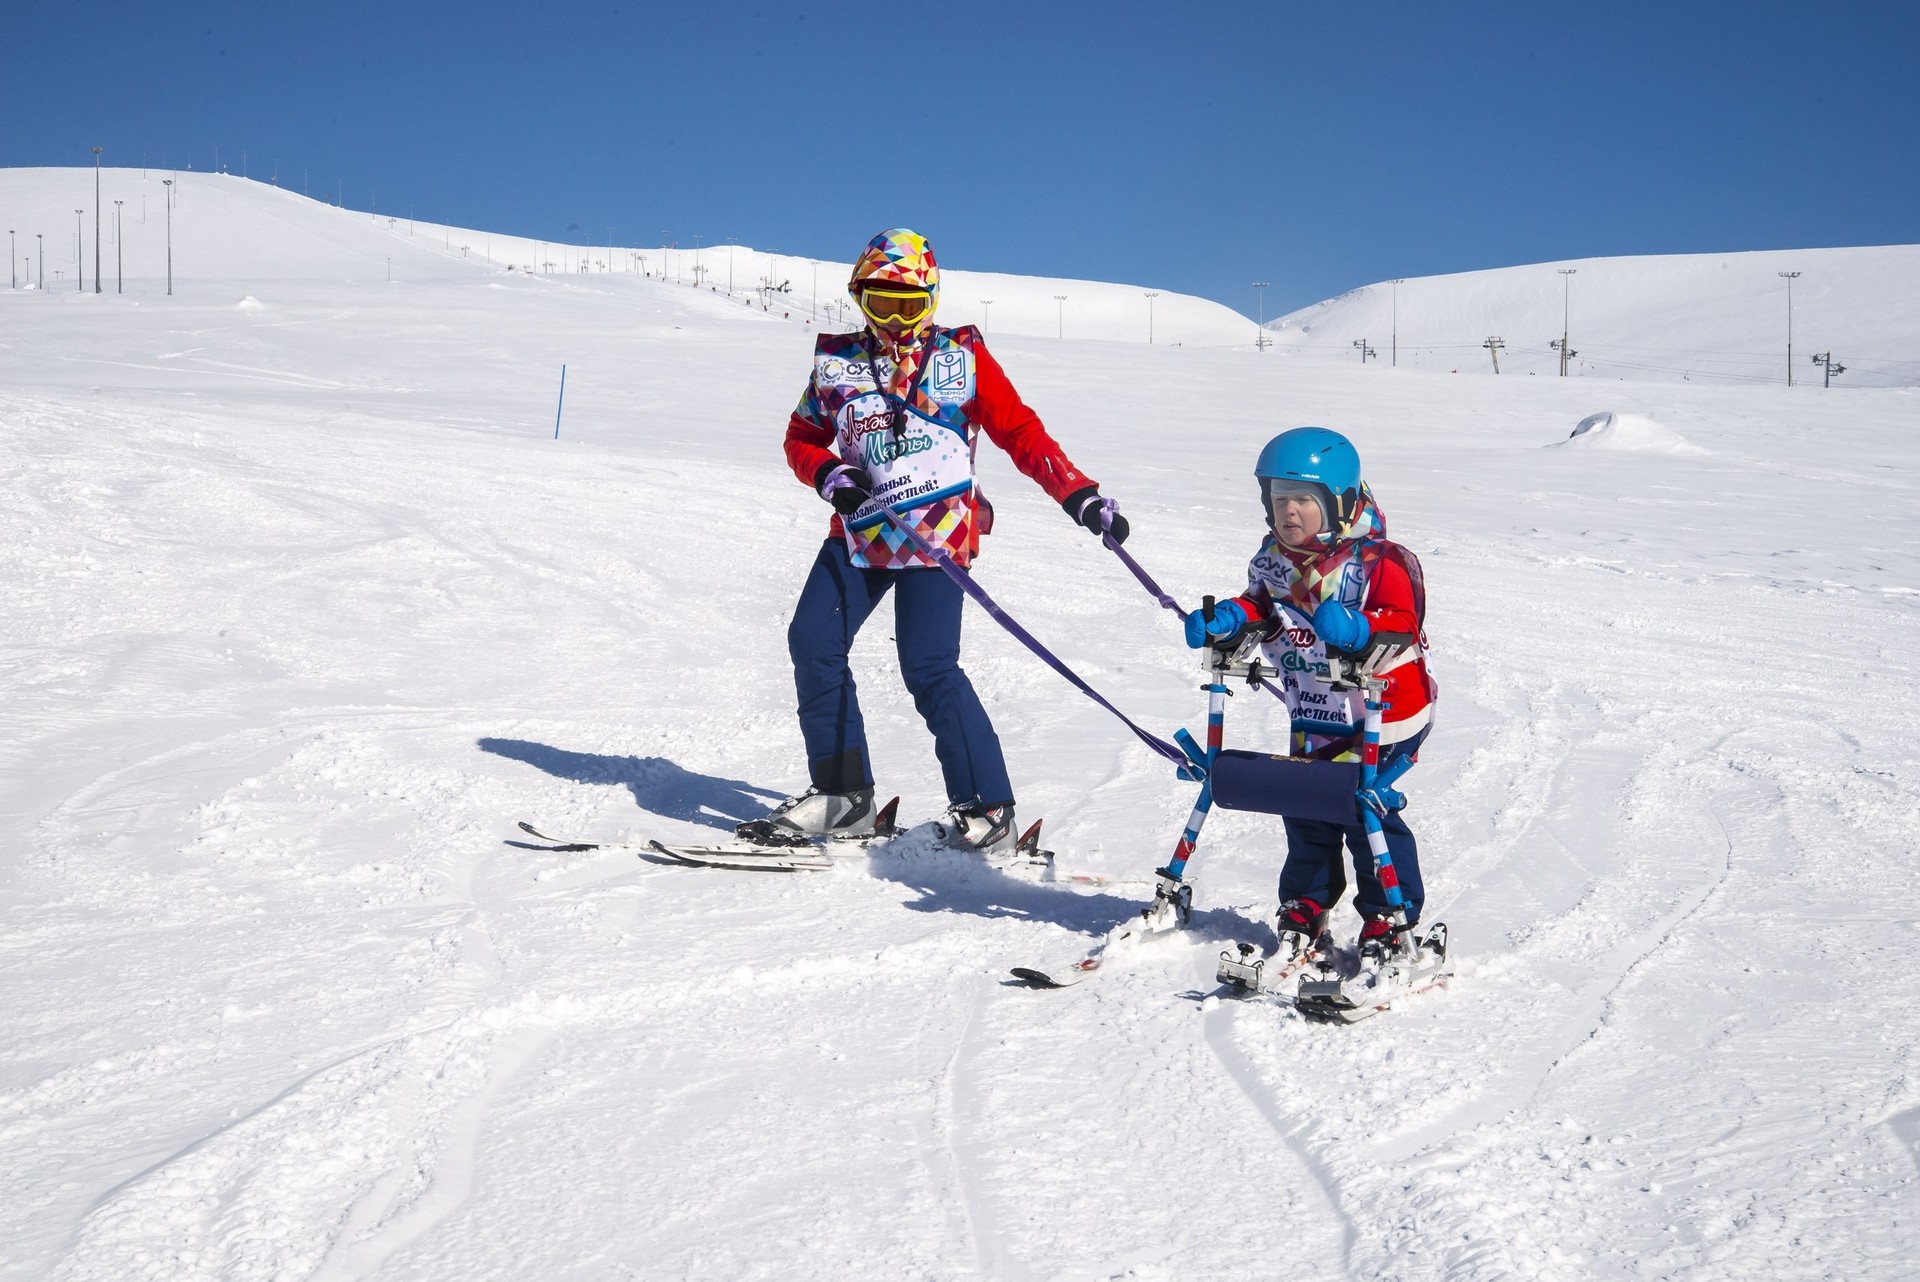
(1191, 146)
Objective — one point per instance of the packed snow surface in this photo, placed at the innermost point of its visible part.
(302, 606)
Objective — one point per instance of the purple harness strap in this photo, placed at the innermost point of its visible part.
(973, 589)
(1107, 509)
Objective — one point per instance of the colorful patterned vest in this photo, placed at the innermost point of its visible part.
(919, 453)
(1301, 656)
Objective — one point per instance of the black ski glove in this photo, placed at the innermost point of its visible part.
(843, 485)
(1085, 507)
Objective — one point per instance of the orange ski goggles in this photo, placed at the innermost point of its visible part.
(886, 305)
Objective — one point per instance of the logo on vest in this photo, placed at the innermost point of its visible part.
(949, 379)
(878, 445)
(1294, 661)
(836, 372)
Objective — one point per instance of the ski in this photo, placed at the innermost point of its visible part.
(562, 846)
(746, 857)
(1350, 999)
(1171, 908)
(820, 853)
(883, 826)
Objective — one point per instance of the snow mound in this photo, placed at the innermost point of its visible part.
(1608, 430)
(249, 304)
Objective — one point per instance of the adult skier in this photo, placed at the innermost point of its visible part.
(1326, 578)
(890, 419)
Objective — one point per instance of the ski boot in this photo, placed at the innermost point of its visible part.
(801, 820)
(987, 830)
(1379, 941)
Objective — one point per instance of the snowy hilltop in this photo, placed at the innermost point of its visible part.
(303, 607)
(1714, 318)
(231, 229)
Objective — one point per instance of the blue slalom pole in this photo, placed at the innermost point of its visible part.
(563, 401)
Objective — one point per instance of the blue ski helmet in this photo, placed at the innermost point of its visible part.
(1320, 460)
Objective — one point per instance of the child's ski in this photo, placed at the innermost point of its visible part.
(1378, 985)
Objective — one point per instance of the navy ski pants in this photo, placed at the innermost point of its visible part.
(926, 618)
(1316, 870)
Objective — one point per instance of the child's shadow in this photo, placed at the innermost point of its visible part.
(657, 785)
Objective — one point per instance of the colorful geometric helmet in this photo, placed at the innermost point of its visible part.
(1320, 461)
(897, 257)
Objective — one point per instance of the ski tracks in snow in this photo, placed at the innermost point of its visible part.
(959, 1105)
(341, 1165)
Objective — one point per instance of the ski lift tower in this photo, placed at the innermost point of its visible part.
(1566, 302)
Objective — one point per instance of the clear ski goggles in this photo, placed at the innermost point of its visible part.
(889, 305)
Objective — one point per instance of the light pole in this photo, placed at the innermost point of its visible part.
(13, 264)
(1061, 314)
(664, 259)
(41, 239)
(1396, 323)
(986, 313)
(168, 184)
(79, 248)
(1566, 305)
(1260, 334)
(96, 218)
(1789, 276)
(119, 254)
(1151, 295)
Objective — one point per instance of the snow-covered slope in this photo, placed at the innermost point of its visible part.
(227, 230)
(301, 606)
(1715, 318)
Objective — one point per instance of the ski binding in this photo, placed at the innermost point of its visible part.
(1244, 970)
(1349, 999)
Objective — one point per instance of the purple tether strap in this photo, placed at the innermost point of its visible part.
(973, 589)
(1107, 509)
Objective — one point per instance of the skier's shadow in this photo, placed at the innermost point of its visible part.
(952, 882)
(657, 785)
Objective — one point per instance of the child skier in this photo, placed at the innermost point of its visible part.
(1326, 579)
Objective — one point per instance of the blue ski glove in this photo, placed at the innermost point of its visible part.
(843, 485)
(1228, 618)
(1342, 627)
